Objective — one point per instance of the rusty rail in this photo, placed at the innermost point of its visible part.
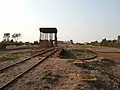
(41, 52)
(18, 76)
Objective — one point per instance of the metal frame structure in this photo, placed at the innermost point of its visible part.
(49, 35)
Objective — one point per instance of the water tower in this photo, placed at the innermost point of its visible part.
(48, 36)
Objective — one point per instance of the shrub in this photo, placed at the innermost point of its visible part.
(2, 45)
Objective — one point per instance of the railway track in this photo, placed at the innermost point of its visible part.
(111, 76)
(13, 72)
(40, 53)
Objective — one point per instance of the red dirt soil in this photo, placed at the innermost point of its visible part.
(114, 56)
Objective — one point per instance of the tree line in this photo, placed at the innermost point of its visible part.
(15, 36)
(13, 41)
(108, 43)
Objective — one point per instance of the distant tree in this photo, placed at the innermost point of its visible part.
(118, 38)
(95, 43)
(16, 36)
(2, 45)
(21, 43)
(109, 43)
(6, 36)
(71, 41)
(27, 43)
(11, 41)
(36, 43)
(104, 42)
(114, 41)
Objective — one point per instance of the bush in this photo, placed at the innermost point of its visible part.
(2, 45)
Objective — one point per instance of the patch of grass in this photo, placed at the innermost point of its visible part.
(68, 55)
(17, 55)
(82, 53)
(12, 56)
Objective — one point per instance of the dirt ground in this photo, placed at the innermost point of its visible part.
(100, 73)
(59, 74)
(108, 68)
(54, 74)
(111, 53)
(14, 56)
(104, 49)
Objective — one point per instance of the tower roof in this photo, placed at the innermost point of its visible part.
(48, 30)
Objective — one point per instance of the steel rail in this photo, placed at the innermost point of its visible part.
(18, 76)
(42, 52)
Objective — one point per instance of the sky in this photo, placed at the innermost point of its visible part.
(79, 20)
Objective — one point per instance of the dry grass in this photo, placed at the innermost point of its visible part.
(82, 53)
(11, 57)
(17, 55)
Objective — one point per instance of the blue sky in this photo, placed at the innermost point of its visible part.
(80, 20)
